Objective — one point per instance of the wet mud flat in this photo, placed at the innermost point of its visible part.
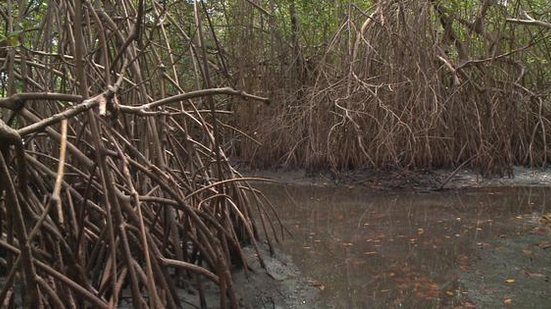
(277, 285)
(514, 270)
(401, 179)
(482, 247)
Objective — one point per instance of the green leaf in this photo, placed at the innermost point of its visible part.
(13, 38)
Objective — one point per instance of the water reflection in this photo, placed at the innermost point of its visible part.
(402, 249)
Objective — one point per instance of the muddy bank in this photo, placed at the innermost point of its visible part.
(513, 270)
(279, 285)
(407, 179)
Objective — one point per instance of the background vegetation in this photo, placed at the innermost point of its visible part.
(414, 84)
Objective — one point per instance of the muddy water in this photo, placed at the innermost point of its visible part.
(397, 250)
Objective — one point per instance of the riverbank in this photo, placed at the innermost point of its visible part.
(418, 180)
(279, 285)
(512, 270)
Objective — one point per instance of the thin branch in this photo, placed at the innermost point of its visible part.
(528, 20)
(14, 101)
(190, 95)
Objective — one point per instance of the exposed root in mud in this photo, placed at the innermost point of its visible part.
(112, 176)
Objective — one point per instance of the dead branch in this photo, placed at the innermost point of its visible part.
(528, 20)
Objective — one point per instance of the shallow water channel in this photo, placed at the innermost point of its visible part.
(401, 249)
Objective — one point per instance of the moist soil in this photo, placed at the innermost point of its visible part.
(279, 285)
(402, 179)
(513, 270)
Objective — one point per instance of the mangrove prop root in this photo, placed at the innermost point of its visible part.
(113, 180)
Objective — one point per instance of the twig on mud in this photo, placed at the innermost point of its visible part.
(453, 173)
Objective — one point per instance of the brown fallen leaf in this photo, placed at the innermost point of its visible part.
(545, 244)
(463, 262)
(318, 285)
(468, 305)
(527, 252)
(533, 275)
(546, 219)
(540, 230)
